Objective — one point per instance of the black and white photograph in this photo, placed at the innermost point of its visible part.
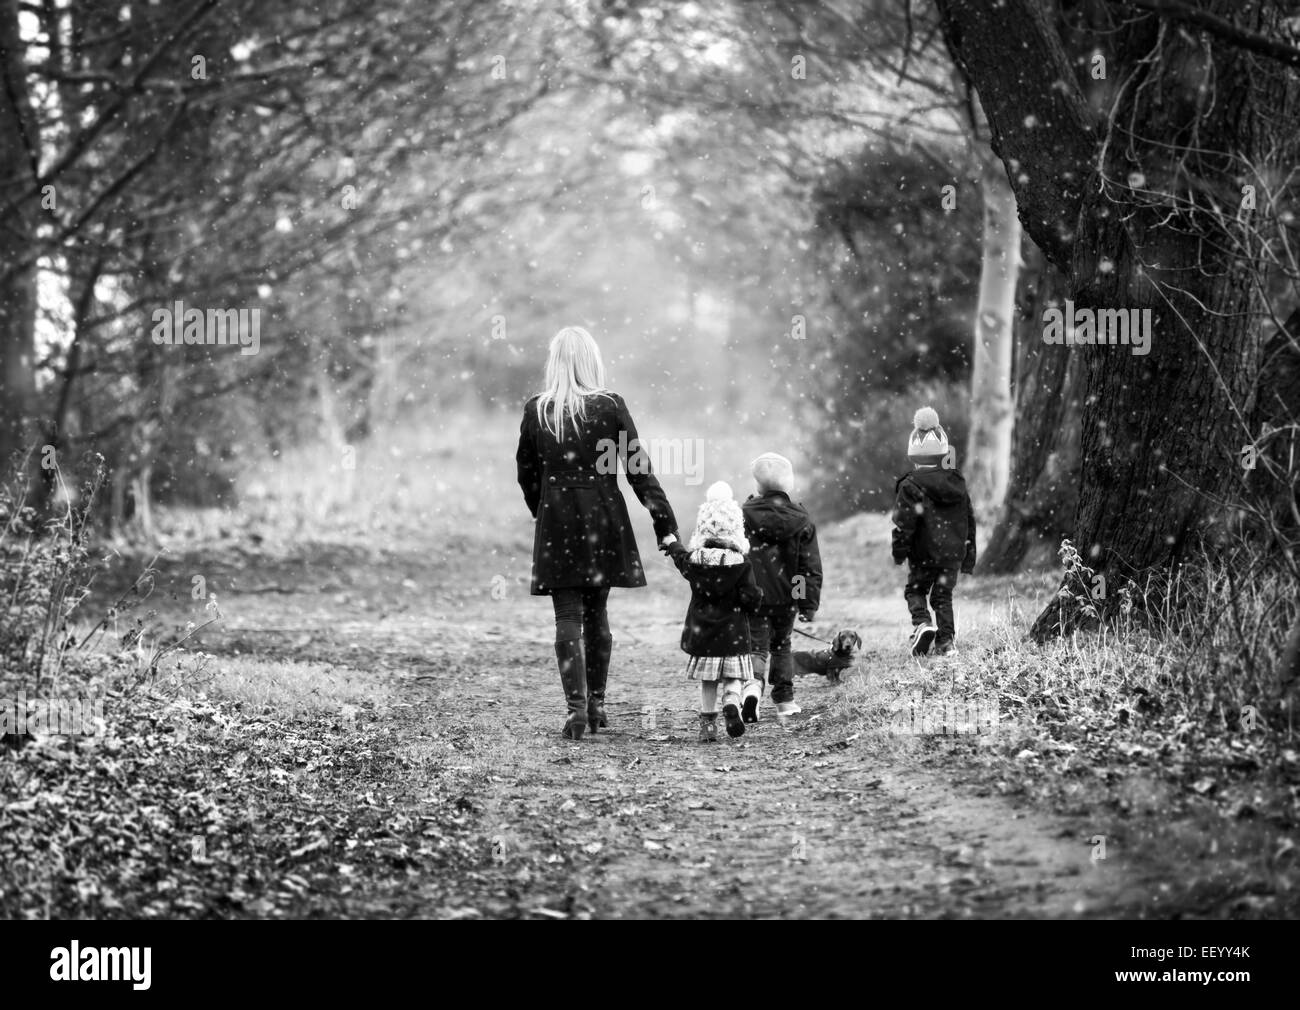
(674, 460)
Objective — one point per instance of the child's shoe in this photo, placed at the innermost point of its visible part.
(751, 696)
(735, 726)
(948, 648)
(708, 727)
(923, 638)
(787, 708)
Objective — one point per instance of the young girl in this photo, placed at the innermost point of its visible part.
(723, 595)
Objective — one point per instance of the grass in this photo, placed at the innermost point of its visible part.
(290, 689)
(1114, 723)
(1137, 739)
(1179, 746)
(1125, 679)
(1196, 706)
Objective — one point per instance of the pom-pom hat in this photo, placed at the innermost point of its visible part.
(928, 442)
(720, 519)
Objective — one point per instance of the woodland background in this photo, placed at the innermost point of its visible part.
(789, 223)
(789, 210)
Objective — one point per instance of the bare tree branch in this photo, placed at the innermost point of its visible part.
(1050, 150)
(1175, 10)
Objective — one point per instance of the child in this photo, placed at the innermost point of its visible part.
(934, 532)
(788, 568)
(723, 593)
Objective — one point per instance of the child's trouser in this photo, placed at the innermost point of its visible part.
(770, 633)
(936, 583)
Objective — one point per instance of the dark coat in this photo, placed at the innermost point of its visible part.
(783, 548)
(934, 521)
(583, 536)
(722, 597)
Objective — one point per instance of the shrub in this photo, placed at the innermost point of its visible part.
(46, 568)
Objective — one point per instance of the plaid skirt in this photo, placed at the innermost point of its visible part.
(720, 668)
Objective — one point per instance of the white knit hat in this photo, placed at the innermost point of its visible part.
(773, 472)
(928, 442)
(720, 518)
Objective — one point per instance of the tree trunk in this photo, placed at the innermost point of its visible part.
(988, 453)
(1150, 219)
(1271, 483)
(335, 434)
(1288, 668)
(142, 493)
(117, 501)
(84, 256)
(1161, 434)
(18, 208)
(382, 402)
(1043, 489)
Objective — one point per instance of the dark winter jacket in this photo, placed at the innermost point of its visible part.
(722, 597)
(783, 550)
(934, 522)
(583, 536)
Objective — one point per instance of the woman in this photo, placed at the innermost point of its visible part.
(571, 437)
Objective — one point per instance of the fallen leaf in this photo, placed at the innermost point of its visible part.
(319, 843)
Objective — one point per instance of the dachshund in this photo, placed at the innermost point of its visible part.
(832, 662)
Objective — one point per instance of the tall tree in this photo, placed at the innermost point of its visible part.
(987, 464)
(19, 204)
(1144, 211)
(1043, 486)
(209, 159)
(1043, 483)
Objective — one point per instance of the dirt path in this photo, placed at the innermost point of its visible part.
(794, 819)
(801, 819)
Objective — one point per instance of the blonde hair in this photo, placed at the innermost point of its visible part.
(574, 371)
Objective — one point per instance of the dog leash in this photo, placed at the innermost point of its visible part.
(809, 634)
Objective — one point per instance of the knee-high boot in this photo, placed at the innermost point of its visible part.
(573, 676)
(599, 648)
